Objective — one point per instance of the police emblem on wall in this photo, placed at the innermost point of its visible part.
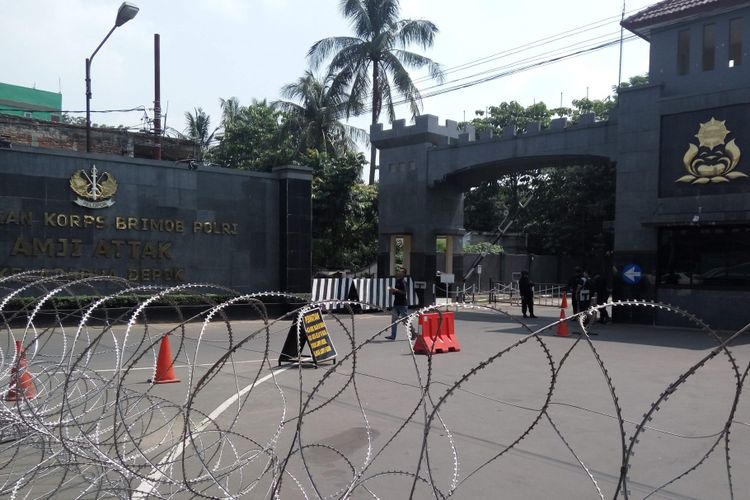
(94, 189)
(713, 160)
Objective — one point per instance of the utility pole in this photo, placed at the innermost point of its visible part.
(157, 99)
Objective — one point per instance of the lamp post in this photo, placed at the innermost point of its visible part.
(125, 13)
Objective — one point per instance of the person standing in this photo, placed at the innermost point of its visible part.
(584, 292)
(400, 309)
(526, 287)
(584, 289)
(602, 295)
(574, 286)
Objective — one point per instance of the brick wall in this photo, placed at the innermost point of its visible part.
(61, 136)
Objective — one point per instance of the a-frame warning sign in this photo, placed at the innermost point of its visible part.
(314, 332)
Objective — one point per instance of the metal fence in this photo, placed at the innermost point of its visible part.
(545, 294)
(77, 419)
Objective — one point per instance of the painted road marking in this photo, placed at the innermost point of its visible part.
(179, 366)
(147, 485)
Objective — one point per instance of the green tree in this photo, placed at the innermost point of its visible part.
(374, 62)
(252, 139)
(344, 212)
(230, 108)
(199, 130)
(315, 121)
(600, 107)
(569, 210)
(512, 113)
(633, 81)
(81, 122)
(360, 236)
(73, 120)
(569, 205)
(484, 248)
(484, 206)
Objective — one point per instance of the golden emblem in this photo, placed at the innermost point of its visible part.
(95, 189)
(712, 160)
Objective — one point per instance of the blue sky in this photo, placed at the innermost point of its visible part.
(250, 48)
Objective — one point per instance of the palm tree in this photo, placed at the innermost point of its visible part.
(315, 120)
(198, 126)
(230, 108)
(380, 44)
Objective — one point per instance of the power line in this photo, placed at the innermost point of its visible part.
(513, 69)
(26, 110)
(550, 53)
(530, 45)
(553, 55)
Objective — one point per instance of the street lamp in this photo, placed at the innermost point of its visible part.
(125, 13)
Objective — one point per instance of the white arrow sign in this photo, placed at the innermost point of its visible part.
(632, 273)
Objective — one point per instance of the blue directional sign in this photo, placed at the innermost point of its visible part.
(631, 274)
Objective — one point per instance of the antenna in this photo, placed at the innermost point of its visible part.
(619, 71)
(166, 112)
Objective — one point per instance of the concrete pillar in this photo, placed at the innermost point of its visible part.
(295, 228)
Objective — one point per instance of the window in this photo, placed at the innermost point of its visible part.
(28, 114)
(400, 253)
(683, 52)
(735, 42)
(709, 46)
(705, 257)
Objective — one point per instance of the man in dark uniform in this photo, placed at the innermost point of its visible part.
(526, 287)
(400, 302)
(574, 286)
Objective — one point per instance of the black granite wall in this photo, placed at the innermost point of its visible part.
(167, 224)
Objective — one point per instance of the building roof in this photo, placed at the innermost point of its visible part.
(668, 11)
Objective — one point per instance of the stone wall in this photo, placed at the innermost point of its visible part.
(164, 224)
(18, 131)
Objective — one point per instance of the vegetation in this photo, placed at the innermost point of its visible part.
(315, 119)
(570, 206)
(199, 130)
(483, 248)
(80, 121)
(252, 138)
(374, 62)
(345, 224)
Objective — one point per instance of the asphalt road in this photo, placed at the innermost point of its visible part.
(467, 423)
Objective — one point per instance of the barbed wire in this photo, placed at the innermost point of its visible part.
(92, 426)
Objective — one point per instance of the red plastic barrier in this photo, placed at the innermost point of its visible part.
(437, 334)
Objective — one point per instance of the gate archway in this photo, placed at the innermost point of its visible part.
(425, 168)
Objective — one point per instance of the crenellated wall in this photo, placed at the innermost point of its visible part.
(426, 167)
(459, 156)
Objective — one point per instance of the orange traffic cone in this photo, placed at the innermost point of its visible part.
(564, 303)
(21, 382)
(165, 364)
(562, 326)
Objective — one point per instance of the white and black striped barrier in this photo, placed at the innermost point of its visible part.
(370, 290)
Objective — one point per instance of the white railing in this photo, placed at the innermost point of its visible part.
(545, 294)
